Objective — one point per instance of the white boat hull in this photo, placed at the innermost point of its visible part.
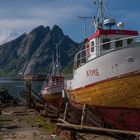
(115, 63)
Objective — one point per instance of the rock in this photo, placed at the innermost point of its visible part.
(32, 53)
(4, 96)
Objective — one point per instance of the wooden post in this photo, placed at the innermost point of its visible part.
(65, 112)
(83, 114)
(29, 91)
(46, 109)
(27, 99)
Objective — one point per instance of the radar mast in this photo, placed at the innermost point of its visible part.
(100, 22)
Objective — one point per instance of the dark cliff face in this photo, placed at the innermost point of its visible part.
(32, 53)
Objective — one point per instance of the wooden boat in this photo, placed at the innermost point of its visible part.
(52, 91)
(53, 87)
(106, 74)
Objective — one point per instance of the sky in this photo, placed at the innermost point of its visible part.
(19, 16)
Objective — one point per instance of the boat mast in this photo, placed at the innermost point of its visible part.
(100, 14)
(53, 65)
(99, 22)
(57, 60)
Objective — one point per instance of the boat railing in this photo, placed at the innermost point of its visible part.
(85, 55)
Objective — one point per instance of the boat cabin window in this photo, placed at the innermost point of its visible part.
(57, 80)
(119, 43)
(92, 46)
(61, 81)
(106, 46)
(130, 41)
(78, 60)
(53, 80)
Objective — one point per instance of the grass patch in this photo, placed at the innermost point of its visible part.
(42, 123)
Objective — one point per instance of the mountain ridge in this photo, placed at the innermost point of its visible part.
(31, 53)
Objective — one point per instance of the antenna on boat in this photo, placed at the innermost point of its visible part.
(57, 59)
(53, 64)
(58, 64)
(85, 24)
(100, 21)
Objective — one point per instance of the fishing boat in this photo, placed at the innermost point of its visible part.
(106, 73)
(54, 84)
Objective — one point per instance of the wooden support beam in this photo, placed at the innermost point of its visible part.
(63, 121)
(46, 109)
(97, 130)
(51, 107)
(38, 96)
(83, 114)
(65, 112)
(28, 89)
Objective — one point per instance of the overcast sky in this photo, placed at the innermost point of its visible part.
(19, 16)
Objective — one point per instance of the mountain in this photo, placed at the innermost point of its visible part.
(32, 53)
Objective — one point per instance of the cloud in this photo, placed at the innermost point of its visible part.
(24, 18)
(7, 35)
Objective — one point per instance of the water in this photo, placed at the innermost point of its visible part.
(14, 87)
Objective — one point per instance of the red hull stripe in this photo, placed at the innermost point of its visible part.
(120, 118)
(109, 79)
(113, 32)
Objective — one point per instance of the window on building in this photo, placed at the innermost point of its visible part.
(106, 46)
(92, 46)
(130, 41)
(119, 43)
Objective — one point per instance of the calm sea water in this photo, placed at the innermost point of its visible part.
(14, 87)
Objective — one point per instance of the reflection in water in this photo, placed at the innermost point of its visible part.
(14, 87)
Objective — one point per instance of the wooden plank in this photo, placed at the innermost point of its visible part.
(39, 96)
(53, 107)
(97, 129)
(63, 121)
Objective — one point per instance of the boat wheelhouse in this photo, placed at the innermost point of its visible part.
(54, 85)
(104, 41)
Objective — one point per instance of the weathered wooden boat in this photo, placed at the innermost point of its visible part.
(53, 87)
(106, 74)
(52, 91)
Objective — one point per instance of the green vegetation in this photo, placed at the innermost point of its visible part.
(41, 122)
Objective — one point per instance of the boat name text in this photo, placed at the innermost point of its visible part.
(92, 72)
